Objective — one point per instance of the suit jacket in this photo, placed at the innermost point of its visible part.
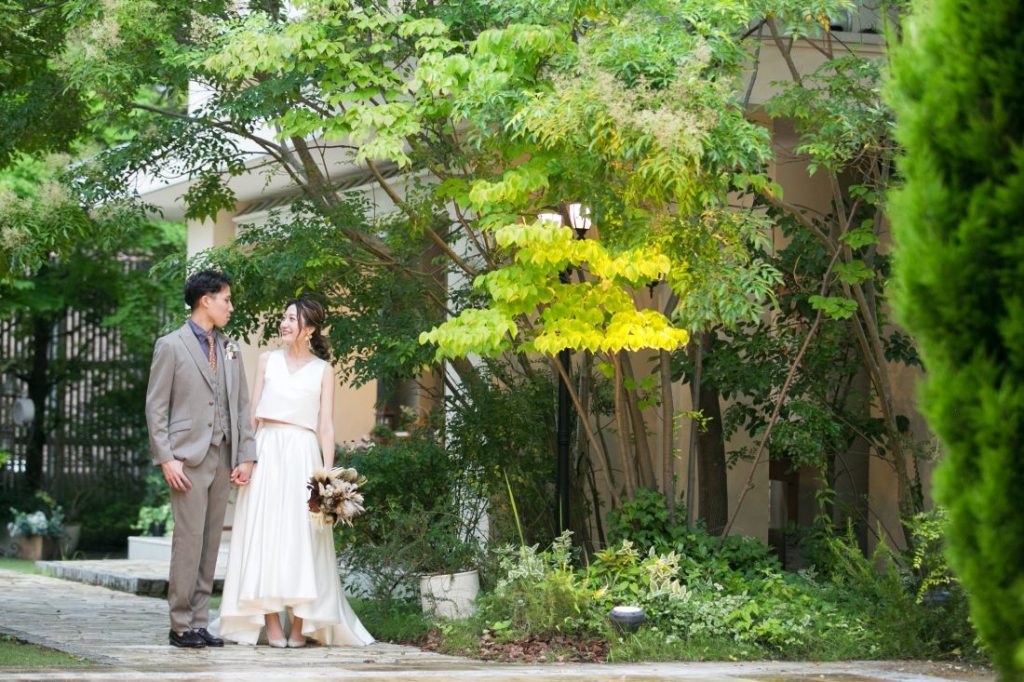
(180, 401)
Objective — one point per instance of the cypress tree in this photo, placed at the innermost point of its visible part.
(958, 225)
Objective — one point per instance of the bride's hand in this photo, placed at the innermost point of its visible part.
(242, 473)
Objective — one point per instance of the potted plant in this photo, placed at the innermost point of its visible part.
(446, 562)
(381, 433)
(155, 521)
(37, 533)
(419, 532)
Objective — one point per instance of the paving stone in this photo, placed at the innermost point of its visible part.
(144, 577)
(126, 636)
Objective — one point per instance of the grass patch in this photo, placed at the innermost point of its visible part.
(459, 638)
(17, 654)
(396, 621)
(650, 644)
(20, 565)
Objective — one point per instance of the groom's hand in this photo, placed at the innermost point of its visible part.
(242, 473)
(175, 476)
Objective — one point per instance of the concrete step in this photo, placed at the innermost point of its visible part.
(159, 548)
(145, 577)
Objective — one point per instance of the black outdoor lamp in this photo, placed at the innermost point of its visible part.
(580, 220)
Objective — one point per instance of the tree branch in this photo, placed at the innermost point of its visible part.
(584, 422)
(785, 52)
(790, 376)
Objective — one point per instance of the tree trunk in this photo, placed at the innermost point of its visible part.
(668, 481)
(626, 458)
(713, 488)
(38, 390)
(641, 445)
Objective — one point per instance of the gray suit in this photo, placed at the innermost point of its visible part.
(201, 418)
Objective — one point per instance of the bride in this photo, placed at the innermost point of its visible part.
(279, 558)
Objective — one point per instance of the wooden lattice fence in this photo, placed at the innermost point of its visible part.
(95, 423)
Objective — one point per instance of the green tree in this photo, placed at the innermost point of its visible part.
(957, 228)
(510, 110)
(59, 255)
(39, 111)
(817, 377)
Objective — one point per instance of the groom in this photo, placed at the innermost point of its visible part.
(197, 410)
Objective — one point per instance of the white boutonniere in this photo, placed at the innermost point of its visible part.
(231, 349)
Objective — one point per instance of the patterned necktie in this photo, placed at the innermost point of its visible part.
(211, 354)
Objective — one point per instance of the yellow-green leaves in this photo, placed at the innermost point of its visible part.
(862, 236)
(514, 187)
(635, 267)
(485, 331)
(517, 289)
(597, 314)
(335, 67)
(601, 317)
(440, 73)
(502, 44)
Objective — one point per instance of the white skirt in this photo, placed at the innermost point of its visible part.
(279, 557)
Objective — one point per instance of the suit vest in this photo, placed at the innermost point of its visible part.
(222, 406)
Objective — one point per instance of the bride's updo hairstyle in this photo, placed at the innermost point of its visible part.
(312, 314)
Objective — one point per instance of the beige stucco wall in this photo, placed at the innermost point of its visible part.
(752, 518)
(813, 192)
(207, 234)
(354, 413)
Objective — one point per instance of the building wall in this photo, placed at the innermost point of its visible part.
(353, 406)
(868, 474)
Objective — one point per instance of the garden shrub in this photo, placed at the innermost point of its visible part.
(959, 248)
(645, 522)
(948, 623)
(502, 429)
(420, 513)
(736, 601)
(781, 615)
(540, 593)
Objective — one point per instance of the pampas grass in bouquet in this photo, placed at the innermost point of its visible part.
(334, 495)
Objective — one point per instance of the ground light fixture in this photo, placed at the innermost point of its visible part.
(627, 618)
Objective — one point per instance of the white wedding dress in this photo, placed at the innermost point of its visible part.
(279, 557)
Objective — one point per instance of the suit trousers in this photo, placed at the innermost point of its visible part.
(198, 522)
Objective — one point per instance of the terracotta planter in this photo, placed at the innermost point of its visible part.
(37, 548)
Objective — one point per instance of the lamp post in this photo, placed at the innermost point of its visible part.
(8, 390)
(580, 220)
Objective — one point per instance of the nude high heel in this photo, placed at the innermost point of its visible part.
(276, 643)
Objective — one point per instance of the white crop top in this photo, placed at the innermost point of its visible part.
(293, 398)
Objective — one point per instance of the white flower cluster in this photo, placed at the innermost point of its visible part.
(36, 523)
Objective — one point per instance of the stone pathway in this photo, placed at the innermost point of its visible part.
(126, 636)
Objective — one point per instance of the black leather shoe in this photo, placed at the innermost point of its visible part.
(189, 639)
(211, 640)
